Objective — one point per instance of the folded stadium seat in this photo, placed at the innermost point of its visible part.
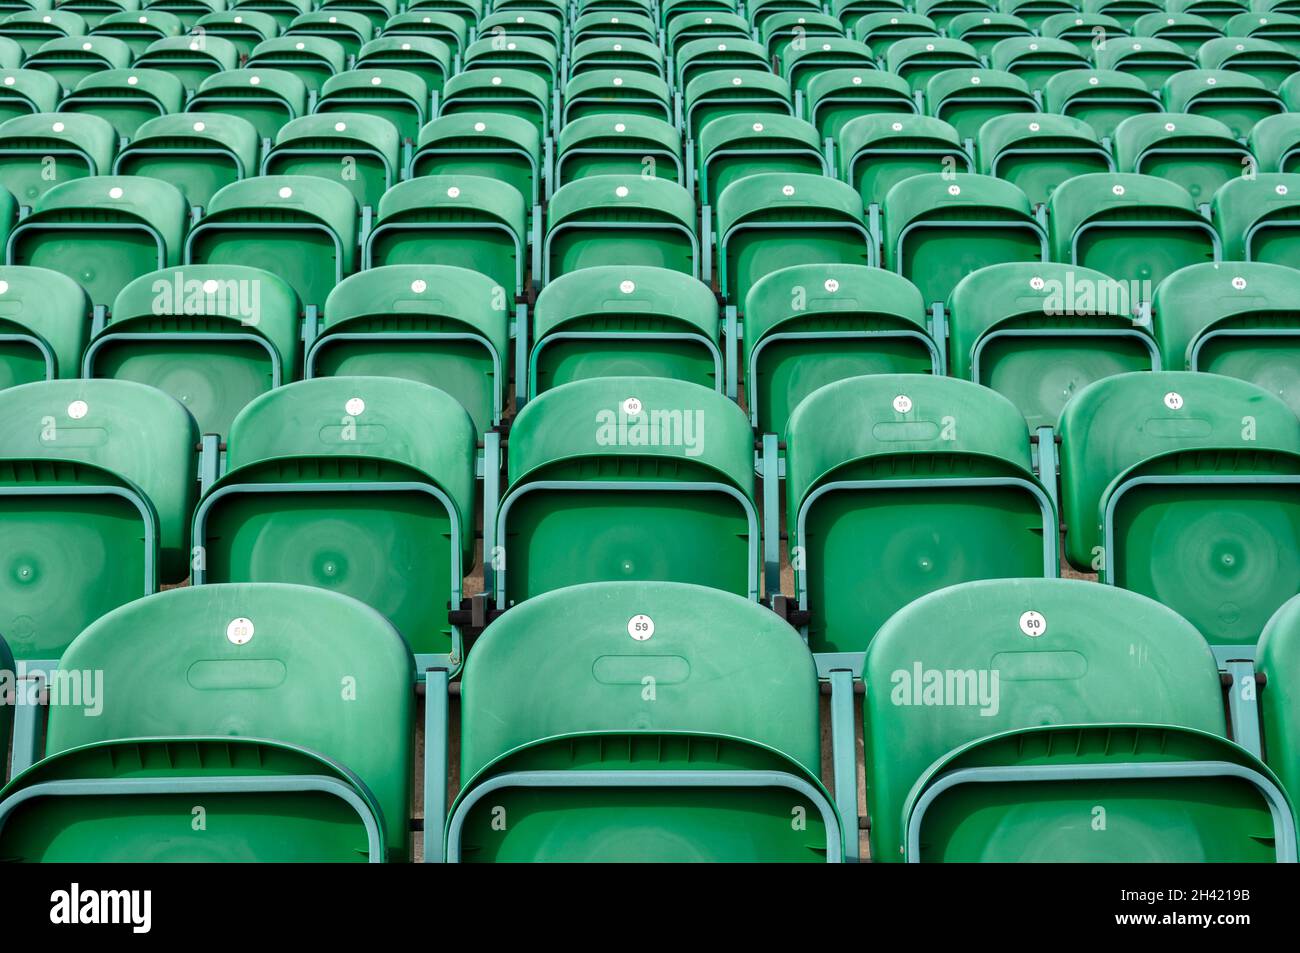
(655, 476)
(939, 227)
(359, 150)
(916, 59)
(440, 325)
(669, 10)
(801, 66)
(283, 11)
(244, 28)
(1198, 152)
(138, 29)
(534, 23)
(1125, 12)
(851, 11)
(723, 92)
(313, 59)
(966, 98)
(1218, 12)
(994, 715)
(1034, 12)
(640, 7)
(347, 28)
(1267, 61)
(469, 11)
(1036, 152)
(620, 145)
(556, 7)
(732, 147)
(525, 54)
(299, 227)
(44, 326)
(1233, 318)
(1236, 99)
(190, 59)
(94, 11)
(1082, 30)
(1258, 218)
(710, 766)
(810, 325)
(267, 98)
(838, 96)
(983, 29)
(40, 151)
(212, 336)
(619, 220)
(394, 95)
(1134, 228)
(72, 59)
(27, 91)
(466, 220)
(703, 24)
(698, 57)
(199, 153)
(1150, 60)
(616, 93)
(505, 148)
(759, 10)
(102, 231)
(31, 29)
(1275, 143)
(187, 11)
(880, 30)
(1187, 30)
(796, 28)
(1281, 28)
(1036, 59)
(97, 480)
(230, 698)
(771, 220)
(901, 484)
(376, 11)
(361, 485)
(942, 12)
(127, 98)
(627, 321)
(1101, 98)
(428, 58)
(621, 53)
(1038, 333)
(876, 152)
(511, 92)
(1182, 485)
(441, 26)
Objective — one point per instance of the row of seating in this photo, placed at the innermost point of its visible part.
(1005, 720)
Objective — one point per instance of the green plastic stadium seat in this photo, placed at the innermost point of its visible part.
(94, 11)
(698, 57)
(794, 28)
(810, 325)
(1038, 333)
(1198, 152)
(513, 92)
(1036, 59)
(138, 29)
(918, 58)
(127, 98)
(1082, 30)
(625, 321)
(244, 28)
(244, 715)
(759, 10)
(555, 7)
(97, 480)
(937, 470)
(620, 220)
(774, 219)
(42, 150)
(505, 148)
(1236, 99)
(1281, 28)
(823, 53)
(703, 24)
(1275, 143)
(545, 26)
(724, 92)
(268, 98)
(212, 336)
(524, 54)
(1233, 318)
(942, 12)
(469, 11)
(428, 58)
(655, 476)
(441, 26)
(1181, 485)
(984, 29)
(735, 146)
(465, 220)
(669, 10)
(1150, 60)
(313, 59)
(199, 153)
(1036, 152)
(1135, 228)
(187, 11)
(1267, 61)
(1218, 12)
(838, 96)
(626, 779)
(347, 28)
(1290, 90)
(878, 151)
(1277, 661)
(967, 98)
(102, 231)
(72, 59)
(1259, 218)
(31, 29)
(620, 145)
(1054, 720)
(616, 93)
(437, 324)
(939, 228)
(627, 54)
(880, 30)
(1034, 12)
(1187, 30)
(359, 150)
(299, 227)
(1101, 98)
(394, 95)
(360, 485)
(377, 12)
(190, 59)
(27, 91)
(283, 11)
(851, 11)
(1125, 12)
(44, 323)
